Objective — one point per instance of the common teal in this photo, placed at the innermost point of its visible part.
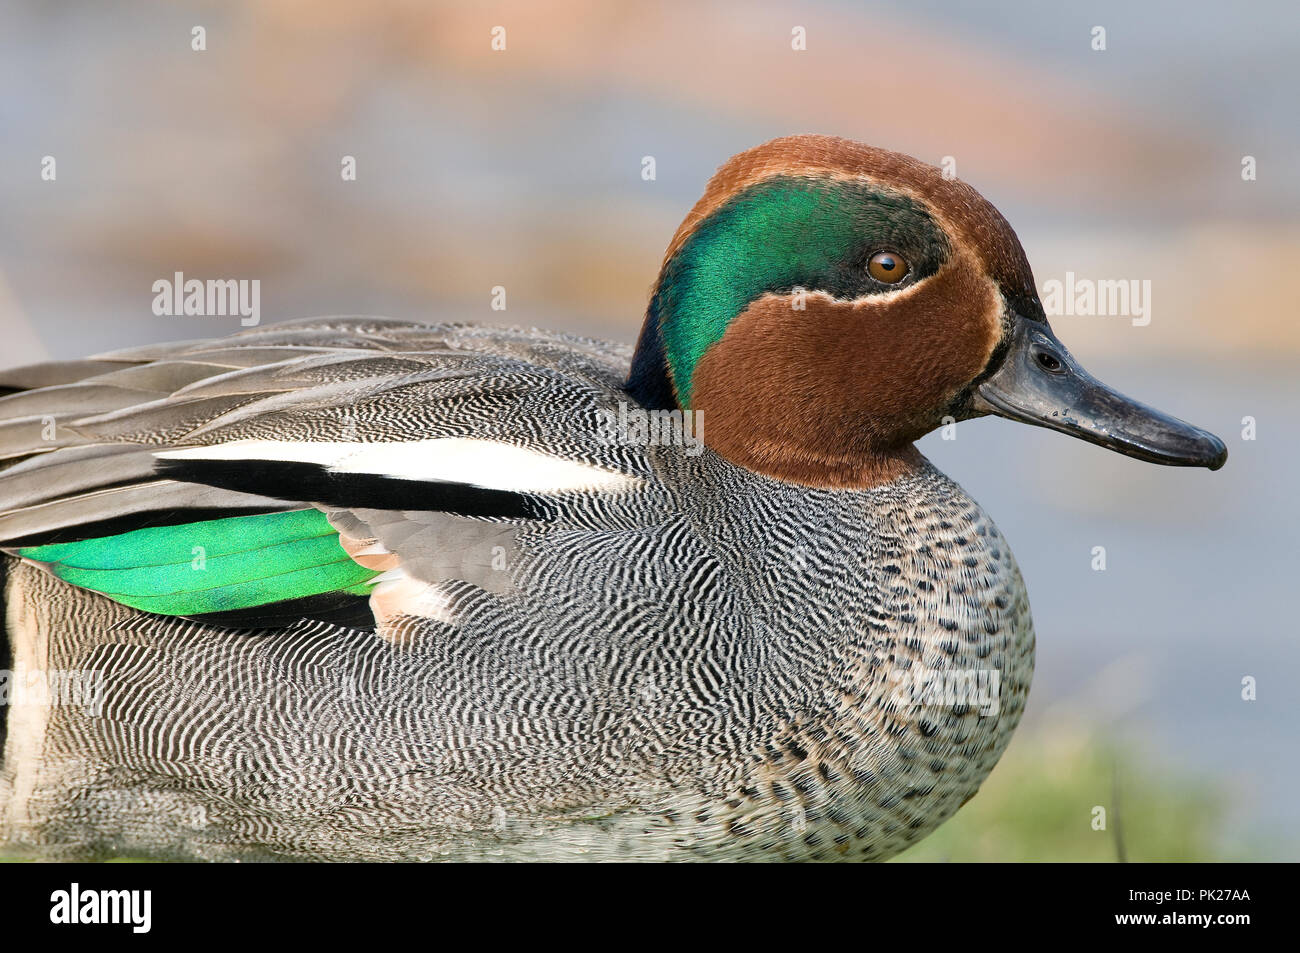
(359, 588)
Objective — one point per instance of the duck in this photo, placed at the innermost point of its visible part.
(354, 588)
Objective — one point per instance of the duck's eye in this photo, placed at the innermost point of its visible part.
(887, 267)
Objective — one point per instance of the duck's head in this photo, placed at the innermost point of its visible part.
(826, 303)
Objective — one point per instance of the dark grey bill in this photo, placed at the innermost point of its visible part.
(1040, 383)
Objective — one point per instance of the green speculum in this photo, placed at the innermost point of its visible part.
(211, 566)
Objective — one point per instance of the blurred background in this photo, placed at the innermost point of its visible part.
(523, 168)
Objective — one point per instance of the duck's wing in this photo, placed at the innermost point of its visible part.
(335, 468)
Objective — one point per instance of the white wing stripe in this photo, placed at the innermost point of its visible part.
(484, 463)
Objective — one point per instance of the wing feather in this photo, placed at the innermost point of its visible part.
(428, 446)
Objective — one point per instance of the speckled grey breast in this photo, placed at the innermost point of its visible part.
(715, 665)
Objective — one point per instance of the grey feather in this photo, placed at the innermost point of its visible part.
(438, 547)
(74, 470)
(116, 502)
(24, 436)
(704, 666)
(54, 373)
(84, 397)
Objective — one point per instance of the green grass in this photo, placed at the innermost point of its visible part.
(1038, 805)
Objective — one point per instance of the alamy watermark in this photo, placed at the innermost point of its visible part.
(977, 688)
(1088, 297)
(638, 427)
(214, 298)
(76, 905)
(47, 688)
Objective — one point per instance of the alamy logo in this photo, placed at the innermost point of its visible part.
(214, 298)
(46, 688)
(977, 688)
(103, 906)
(1128, 298)
(637, 427)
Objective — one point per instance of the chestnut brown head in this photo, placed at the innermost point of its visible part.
(827, 303)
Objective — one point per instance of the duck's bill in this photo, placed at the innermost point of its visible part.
(1040, 383)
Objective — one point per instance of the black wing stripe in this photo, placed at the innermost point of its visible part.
(313, 483)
